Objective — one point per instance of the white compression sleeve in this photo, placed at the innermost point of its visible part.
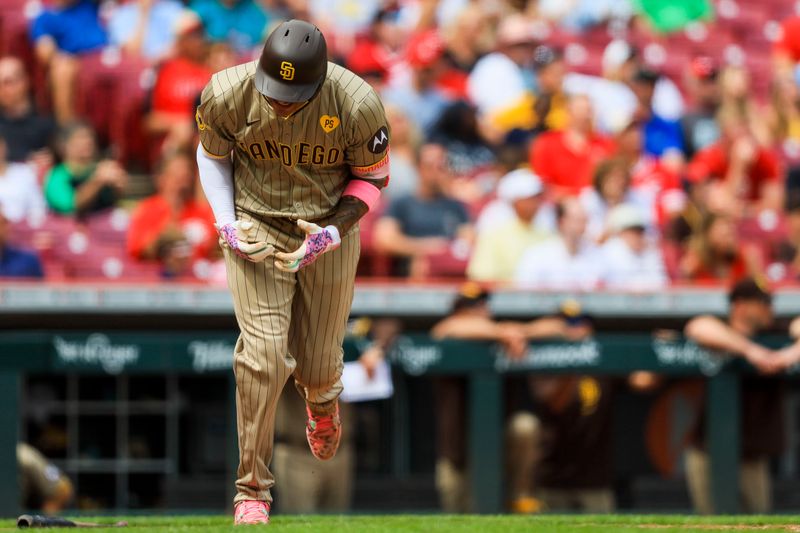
(216, 176)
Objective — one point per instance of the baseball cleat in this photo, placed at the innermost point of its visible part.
(251, 512)
(324, 432)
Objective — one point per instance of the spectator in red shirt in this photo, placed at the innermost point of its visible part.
(377, 51)
(715, 254)
(786, 50)
(180, 80)
(172, 226)
(371, 62)
(735, 175)
(566, 159)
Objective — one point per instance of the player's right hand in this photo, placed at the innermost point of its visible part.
(237, 236)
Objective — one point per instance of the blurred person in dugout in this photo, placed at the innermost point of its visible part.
(561, 433)
(309, 485)
(560, 449)
(42, 485)
(763, 430)
(470, 319)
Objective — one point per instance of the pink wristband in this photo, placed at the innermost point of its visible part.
(364, 191)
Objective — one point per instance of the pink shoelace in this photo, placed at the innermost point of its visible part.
(251, 512)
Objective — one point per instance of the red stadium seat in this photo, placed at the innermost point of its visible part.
(109, 227)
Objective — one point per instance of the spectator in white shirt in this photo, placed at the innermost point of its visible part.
(569, 261)
(20, 194)
(611, 187)
(631, 261)
(502, 78)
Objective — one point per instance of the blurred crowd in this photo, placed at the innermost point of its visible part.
(562, 145)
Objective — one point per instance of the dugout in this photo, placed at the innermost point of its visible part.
(139, 378)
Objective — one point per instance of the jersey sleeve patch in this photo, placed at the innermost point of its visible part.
(379, 141)
(376, 171)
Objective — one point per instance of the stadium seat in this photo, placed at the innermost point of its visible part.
(109, 227)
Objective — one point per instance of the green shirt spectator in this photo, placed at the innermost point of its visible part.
(81, 184)
(62, 186)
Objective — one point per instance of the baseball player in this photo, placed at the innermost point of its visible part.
(293, 152)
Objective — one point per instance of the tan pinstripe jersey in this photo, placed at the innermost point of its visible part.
(297, 166)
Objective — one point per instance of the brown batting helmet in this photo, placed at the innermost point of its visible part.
(294, 62)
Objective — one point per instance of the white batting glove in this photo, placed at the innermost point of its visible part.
(317, 242)
(237, 236)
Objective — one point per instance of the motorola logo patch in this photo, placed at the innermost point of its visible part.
(380, 141)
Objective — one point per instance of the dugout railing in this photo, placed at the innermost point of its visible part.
(484, 366)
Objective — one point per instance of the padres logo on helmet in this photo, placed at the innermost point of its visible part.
(294, 62)
(287, 71)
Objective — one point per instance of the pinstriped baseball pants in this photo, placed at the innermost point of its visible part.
(290, 325)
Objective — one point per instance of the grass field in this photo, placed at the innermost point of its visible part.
(450, 523)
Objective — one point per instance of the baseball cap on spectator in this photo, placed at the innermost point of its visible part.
(424, 49)
(516, 29)
(469, 295)
(704, 68)
(519, 184)
(625, 217)
(572, 311)
(544, 56)
(188, 22)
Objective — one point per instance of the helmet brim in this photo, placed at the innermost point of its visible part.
(279, 90)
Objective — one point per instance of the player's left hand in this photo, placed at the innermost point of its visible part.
(317, 242)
